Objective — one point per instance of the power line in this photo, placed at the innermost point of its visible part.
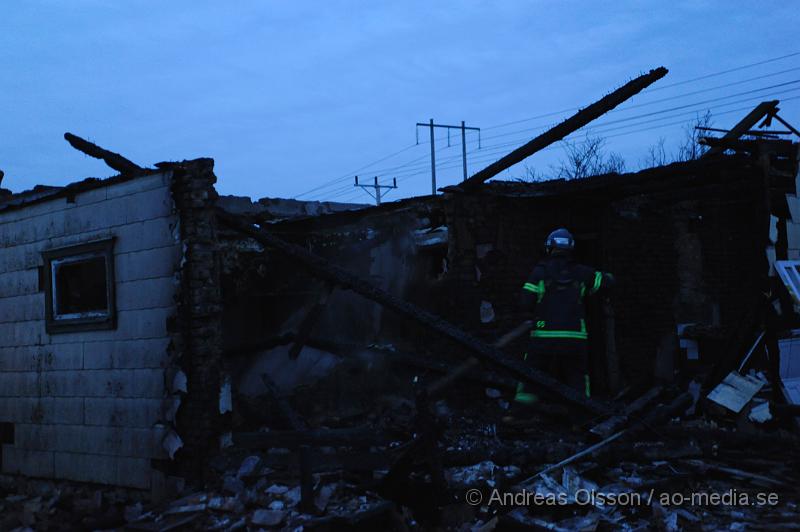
(696, 106)
(488, 157)
(336, 181)
(723, 72)
(358, 170)
(649, 90)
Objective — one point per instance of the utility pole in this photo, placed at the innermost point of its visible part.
(463, 129)
(377, 195)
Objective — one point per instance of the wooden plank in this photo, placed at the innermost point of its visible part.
(763, 109)
(571, 124)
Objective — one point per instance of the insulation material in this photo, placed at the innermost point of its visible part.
(735, 391)
(171, 443)
(773, 228)
(179, 383)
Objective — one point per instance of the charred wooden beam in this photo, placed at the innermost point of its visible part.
(478, 375)
(571, 124)
(763, 109)
(350, 460)
(114, 160)
(293, 439)
(678, 405)
(309, 321)
(464, 368)
(785, 123)
(286, 410)
(612, 424)
(322, 268)
(751, 146)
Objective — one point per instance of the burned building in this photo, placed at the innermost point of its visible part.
(104, 287)
(281, 354)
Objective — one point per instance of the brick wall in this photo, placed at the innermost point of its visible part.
(86, 406)
(197, 333)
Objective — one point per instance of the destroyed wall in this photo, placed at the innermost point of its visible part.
(269, 301)
(686, 242)
(87, 405)
(198, 388)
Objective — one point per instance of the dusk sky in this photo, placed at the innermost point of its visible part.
(295, 98)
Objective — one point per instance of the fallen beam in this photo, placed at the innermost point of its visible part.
(477, 375)
(114, 160)
(322, 268)
(614, 423)
(570, 125)
(464, 368)
(309, 321)
(289, 414)
(679, 404)
(293, 439)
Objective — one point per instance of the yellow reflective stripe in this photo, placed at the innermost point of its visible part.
(580, 335)
(560, 334)
(525, 397)
(587, 387)
(530, 287)
(598, 280)
(537, 289)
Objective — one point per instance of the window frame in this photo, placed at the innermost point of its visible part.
(104, 321)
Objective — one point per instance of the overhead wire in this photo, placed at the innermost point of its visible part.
(489, 156)
(410, 164)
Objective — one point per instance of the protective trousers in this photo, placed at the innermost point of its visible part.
(565, 359)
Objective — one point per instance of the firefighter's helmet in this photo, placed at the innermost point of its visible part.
(560, 240)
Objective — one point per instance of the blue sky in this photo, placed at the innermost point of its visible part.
(290, 96)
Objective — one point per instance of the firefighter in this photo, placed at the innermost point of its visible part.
(555, 293)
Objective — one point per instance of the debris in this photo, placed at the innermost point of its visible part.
(233, 485)
(334, 274)
(250, 467)
(267, 517)
(324, 495)
(735, 391)
(760, 413)
(172, 443)
(179, 382)
(487, 312)
(493, 393)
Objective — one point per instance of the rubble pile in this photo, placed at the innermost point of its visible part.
(489, 466)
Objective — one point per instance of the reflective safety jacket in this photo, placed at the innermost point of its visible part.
(556, 290)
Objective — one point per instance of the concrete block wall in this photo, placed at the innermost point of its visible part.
(86, 406)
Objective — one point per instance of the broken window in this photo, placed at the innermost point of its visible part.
(79, 287)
